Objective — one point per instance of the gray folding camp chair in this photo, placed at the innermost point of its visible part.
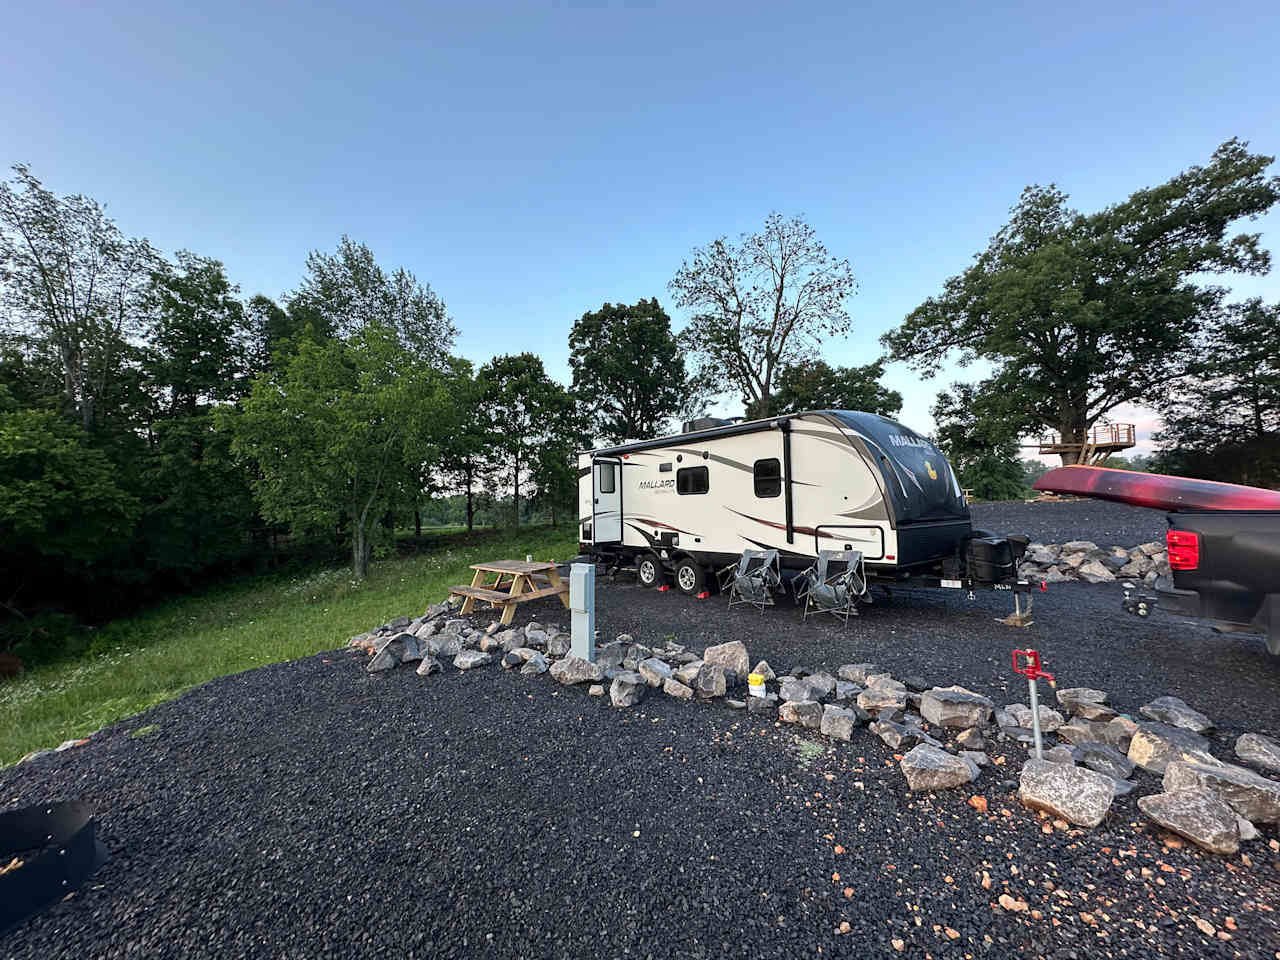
(753, 578)
(834, 584)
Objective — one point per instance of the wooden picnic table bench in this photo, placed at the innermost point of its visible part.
(518, 581)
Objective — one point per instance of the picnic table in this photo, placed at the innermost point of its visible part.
(518, 581)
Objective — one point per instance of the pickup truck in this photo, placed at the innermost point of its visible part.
(1223, 540)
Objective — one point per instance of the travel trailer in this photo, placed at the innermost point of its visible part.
(687, 505)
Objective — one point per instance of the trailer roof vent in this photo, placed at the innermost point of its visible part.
(704, 423)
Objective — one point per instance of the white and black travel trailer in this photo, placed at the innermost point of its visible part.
(825, 480)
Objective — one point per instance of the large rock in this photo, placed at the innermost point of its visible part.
(1050, 719)
(428, 666)
(686, 673)
(709, 681)
(1156, 745)
(1095, 571)
(426, 629)
(730, 656)
(846, 690)
(823, 684)
(654, 671)
(838, 722)
(1079, 546)
(628, 689)
(794, 688)
(470, 659)
(928, 768)
(674, 688)
(1173, 711)
(807, 713)
(444, 644)
(1084, 731)
(883, 695)
(858, 672)
(955, 707)
(577, 670)
(535, 665)
(1259, 750)
(1197, 814)
(1254, 797)
(1042, 554)
(1103, 758)
(1075, 794)
(386, 654)
(894, 735)
(611, 654)
(767, 705)
(765, 670)
(557, 644)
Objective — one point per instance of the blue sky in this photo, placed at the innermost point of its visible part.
(531, 164)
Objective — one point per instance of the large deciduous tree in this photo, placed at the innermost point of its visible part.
(72, 282)
(980, 441)
(340, 436)
(527, 411)
(819, 386)
(347, 290)
(1079, 313)
(765, 301)
(628, 370)
(1222, 410)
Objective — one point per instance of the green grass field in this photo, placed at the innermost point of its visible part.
(144, 660)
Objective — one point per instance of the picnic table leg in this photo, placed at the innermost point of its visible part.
(554, 576)
(509, 608)
(469, 603)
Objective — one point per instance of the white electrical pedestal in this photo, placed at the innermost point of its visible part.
(582, 604)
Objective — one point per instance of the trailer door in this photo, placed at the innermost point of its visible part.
(606, 510)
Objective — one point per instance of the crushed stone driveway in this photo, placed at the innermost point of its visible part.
(310, 809)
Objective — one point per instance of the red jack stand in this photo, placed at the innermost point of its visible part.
(1033, 673)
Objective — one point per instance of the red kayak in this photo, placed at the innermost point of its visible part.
(1156, 490)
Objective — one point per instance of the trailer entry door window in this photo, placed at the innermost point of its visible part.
(768, 477)
(607, 484)
(692, 480)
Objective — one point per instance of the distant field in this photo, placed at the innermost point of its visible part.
(155, 656)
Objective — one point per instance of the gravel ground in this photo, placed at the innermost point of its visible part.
(1106, 524)
(310, 809)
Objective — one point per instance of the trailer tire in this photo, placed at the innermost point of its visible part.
(691, 577)
(649, 571)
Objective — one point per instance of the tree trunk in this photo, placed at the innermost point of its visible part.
(515, 491)
(359, 552)
(471, 510)
(417, 523)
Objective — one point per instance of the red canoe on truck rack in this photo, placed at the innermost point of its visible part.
(1156, 490)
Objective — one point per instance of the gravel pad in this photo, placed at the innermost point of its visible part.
(1106, 524)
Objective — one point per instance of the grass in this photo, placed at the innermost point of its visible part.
(138, 662)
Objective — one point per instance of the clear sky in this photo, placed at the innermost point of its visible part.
(531, 164)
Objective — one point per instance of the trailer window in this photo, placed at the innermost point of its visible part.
(693, 480)
(768, 477)
(607, 484)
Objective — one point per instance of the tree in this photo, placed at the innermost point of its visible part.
(1222, 409)
(819, 386)
(72, 281)
(981, 446)
(761, 303)
(628, 370)
(198, 350)
(340, 436)
(465, 458)
(60, 504)
(524, 406)
(1079, 313)
(347, 290)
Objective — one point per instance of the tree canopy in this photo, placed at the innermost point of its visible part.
(1079, 313)
(760, 303)
(819, 386)
(629, 371)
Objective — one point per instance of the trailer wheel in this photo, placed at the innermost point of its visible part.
(690, 577)
(649, 570)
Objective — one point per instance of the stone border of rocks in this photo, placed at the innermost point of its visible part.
(1085, 560)
(940, 735)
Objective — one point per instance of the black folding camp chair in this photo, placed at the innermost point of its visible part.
(753, 578)
(834, 584)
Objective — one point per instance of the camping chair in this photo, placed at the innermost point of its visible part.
(753, 578)
(834, 584)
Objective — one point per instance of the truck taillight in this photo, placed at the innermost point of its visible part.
(1184, 549)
